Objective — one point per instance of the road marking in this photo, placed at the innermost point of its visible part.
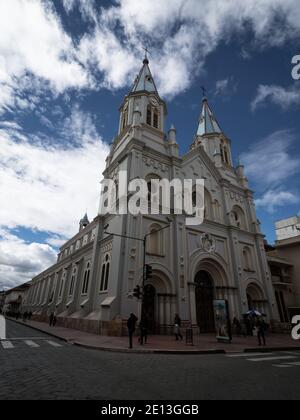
(267, 359)
(7, 345)
(31, 343)
(53, 343)
(248, 355)
(2, 328)
(295, 364)
(282, 366)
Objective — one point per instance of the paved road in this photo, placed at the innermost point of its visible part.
(36, 366)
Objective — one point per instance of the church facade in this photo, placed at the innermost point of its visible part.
(91, 285)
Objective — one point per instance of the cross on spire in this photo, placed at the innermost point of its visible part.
(146, 61)
(204, 91)
(146, 52)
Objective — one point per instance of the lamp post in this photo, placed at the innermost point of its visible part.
(144, 240)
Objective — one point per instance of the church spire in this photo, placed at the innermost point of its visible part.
(207, 123)
(144, 82)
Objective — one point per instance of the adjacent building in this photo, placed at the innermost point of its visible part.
(91, 285)
(284, 264)
(14, 299)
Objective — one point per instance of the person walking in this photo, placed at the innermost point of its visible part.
(177, 326)
(51, 318)
(131, 324)
(143, 330)
(261, 331)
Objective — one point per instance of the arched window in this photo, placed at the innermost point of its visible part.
(247, 259)
(155, 240)
(217, 211)
(62, 284)
(124, 122)
(105, 274)
(149, 115)
(208, 212)
(224, 153)
(72, 282)
(149, 178)
(153, 116)
(238, 218)
(86, 280)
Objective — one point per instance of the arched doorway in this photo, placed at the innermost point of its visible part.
(204, 302)
(150, 308)
(255, 298)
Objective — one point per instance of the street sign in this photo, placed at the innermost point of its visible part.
(2, 328)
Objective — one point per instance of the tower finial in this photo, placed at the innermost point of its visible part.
(204, 91)
(146, 60)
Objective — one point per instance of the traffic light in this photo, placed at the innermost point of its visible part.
(148, 272)
(137, 292)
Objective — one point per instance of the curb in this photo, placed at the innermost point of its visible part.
(150, 351)
(158, 351)
(40, 330)
(271, 349)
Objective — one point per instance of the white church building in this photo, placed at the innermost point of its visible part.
(91, 285)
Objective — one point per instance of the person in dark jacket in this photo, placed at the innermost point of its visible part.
(177, 326)
(51, 318)
(143, 330)
(131, 324)
(261, 331)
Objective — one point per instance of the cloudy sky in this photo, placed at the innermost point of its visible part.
(65, 66)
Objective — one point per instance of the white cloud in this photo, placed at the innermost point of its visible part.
(180, 34)
(270, 162)
(33, 41)
(47, 187)
(20, 261)
(283, 97)
(225, 87)
(273, 199)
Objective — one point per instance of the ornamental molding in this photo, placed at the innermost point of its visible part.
(207, 243)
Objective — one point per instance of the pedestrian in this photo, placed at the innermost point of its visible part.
(177, 326)
(30, 316)
(51, 318)
(237, 327)
(143, 330)
(261, 331)
(131, 324)
(54, 320)
(249, 326)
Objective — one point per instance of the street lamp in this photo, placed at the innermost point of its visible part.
(147, 270)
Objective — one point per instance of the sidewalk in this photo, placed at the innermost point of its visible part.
(203, 344)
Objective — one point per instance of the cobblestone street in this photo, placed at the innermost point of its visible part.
(36, 366)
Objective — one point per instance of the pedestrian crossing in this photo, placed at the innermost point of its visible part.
(280, 360)
(10, 344)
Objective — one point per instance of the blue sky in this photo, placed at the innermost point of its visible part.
(65, 66)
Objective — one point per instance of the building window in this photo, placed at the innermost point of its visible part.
(238, 218)
(86, 280)
(73, 280)
(247, 259)
(155, 240)
(153, 116)
(105, 274)
(224, 153)
(62, 285)
(149, 115)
